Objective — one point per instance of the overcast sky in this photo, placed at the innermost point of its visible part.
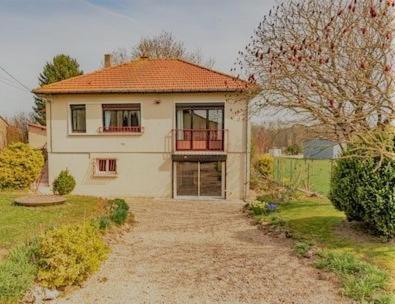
(33, 31)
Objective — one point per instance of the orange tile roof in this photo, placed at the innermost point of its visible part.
(147, 76)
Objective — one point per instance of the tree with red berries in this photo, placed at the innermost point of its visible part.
(330, 62)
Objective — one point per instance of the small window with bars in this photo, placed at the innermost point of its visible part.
(106, 167)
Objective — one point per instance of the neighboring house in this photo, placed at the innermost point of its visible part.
(152, 128)
(37, 135)
(321, 149)
(3, 132)
(275, 152)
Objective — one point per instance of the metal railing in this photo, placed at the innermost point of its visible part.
(113, 129)
(199, 139)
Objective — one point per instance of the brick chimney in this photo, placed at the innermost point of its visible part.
(107, 60)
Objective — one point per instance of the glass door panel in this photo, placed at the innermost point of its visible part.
(199, 125)
(187, 178)
(211, 179)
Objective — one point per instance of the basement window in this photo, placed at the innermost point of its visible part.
(105, 167)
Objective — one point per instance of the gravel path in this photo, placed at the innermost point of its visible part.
(201, 252)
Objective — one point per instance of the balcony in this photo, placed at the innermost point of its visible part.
(199, 139)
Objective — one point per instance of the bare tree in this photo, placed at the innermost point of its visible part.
(17, 130)
(163, 45)
(329, 62)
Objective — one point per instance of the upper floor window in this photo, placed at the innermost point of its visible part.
(78, 118)
(200, 117)
(121, 118)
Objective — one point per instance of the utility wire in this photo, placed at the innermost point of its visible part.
(11, 85)
(13, 77)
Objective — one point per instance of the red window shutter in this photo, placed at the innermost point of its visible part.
(112, 165)
(102, 165)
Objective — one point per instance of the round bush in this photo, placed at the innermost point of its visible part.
(64, 183)
(67, 255)
(20, 166)
(364, 188)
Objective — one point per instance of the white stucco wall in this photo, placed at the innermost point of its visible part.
(144, 161)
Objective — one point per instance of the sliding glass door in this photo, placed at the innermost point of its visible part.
(199, 179)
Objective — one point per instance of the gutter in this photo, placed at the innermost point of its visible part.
(247, 154)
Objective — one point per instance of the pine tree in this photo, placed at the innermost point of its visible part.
(61, 67)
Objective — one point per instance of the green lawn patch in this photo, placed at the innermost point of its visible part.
(54, 245)
(313, 175)
(316, 221)
(20, 224)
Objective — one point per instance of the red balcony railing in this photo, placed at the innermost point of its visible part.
(111, 129)
(199, 140)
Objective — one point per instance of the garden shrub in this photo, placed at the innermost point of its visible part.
(68, 254)
(104, 222)
(20, 166)
(363, 187)
(119, 211)
(64, 183)
(17, 274)
(264, 165)
(261, 208)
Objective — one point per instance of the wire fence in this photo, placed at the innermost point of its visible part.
(308, 174)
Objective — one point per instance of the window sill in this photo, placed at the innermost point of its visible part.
(105, 175)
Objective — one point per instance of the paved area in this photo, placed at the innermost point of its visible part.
(201, 252)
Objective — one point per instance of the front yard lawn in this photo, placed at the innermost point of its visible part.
(20, 224)
(315, 221)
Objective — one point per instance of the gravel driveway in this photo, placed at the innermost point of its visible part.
(201, 252)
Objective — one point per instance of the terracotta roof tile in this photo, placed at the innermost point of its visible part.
(145, 76)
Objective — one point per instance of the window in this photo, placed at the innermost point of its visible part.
(78, 118)
(200, 127)
(121, 118)
(106, 167)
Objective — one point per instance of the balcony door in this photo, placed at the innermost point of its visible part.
(200, 127)
(199, 179)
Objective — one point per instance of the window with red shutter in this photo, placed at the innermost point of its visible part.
(106, 167)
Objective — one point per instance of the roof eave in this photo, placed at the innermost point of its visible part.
(145, 91)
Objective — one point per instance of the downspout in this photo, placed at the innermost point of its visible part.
(247, 153)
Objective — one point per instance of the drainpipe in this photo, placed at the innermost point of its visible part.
(247, 152)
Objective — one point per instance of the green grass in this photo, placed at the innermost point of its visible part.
(17, 274)
(313, 175)
(20, 224)
(361, 281)
(315, 220)
(18, 228)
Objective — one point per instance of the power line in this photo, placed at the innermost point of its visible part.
(12, 86)
(13, 77)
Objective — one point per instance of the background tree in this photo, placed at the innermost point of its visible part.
(61, 67)
(17, 130)
(328, 62)
(163, 45)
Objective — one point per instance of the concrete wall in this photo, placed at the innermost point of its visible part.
(144, 160)
(37, 136)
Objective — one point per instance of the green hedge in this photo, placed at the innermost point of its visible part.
(364, 188)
